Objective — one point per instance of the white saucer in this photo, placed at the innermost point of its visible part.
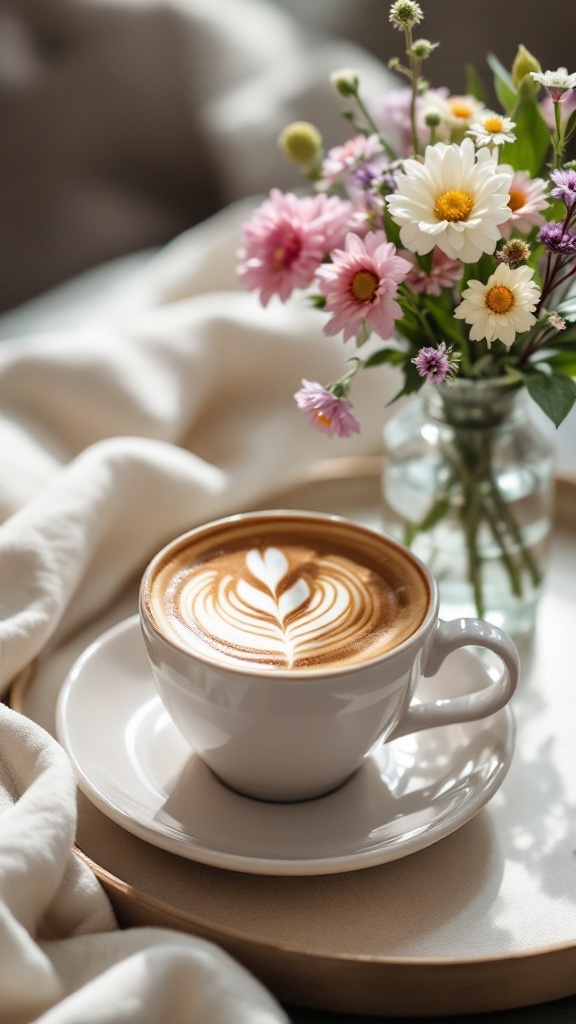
(135, 767)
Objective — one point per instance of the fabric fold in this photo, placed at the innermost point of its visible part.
(63, 960)
(136, 401)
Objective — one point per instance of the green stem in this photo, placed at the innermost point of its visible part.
(472, 485)
(373, 126)
(408, 300)
(437, 512)
(465, 361)
(414, 75)
(500, 535)
(470, 516)
(514, 530)
(559, 135)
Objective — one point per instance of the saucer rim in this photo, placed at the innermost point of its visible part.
(211, 857)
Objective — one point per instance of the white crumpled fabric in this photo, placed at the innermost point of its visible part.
(62, 959)
(114, 438)
(133, 405)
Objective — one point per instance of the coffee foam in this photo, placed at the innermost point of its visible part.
(293, 595)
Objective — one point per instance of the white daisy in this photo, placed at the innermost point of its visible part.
(557, 82)
(492, 130)
(501, 308)
(457, 112)
(452, 200)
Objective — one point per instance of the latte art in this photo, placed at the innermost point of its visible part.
(271, 615)
(288, 602)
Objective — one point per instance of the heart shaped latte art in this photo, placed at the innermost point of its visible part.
(274, 613)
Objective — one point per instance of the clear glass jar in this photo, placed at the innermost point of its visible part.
(468, 486)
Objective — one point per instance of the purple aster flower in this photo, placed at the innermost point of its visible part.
(326, 411)
(555, 239)
(364, 175)
(436, 364)
(565, 190)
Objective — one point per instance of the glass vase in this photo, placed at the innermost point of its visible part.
(468, 486)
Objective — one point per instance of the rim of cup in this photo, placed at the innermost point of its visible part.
(294, 675)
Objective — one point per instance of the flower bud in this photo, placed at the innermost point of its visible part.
(557, 322)
(422, 48)
(300, 142)
(345, 81)
(514, 252)
(404, 14)
(522, 68)
(432, 120)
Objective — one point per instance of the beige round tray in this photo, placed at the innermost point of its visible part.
(483, 920)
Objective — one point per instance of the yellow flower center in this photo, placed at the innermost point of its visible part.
(453, 205)
(516, 199)
(364, 285)
(499, 299)
(494, 124)
(460, 108)
(288, 250)
(322, 418)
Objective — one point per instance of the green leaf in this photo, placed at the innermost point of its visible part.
(554, 393)
(474, 84)
(567, 308)
(450, 328)
(391, 229)
(479, 271)
(412, 382)
(503, 84)
(564, 341)
(562, 362)
(410, 327)
(385, 355)
(533, 139)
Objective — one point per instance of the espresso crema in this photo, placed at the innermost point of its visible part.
(287, 594)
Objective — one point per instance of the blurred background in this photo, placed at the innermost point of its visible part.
(126, 121)
(466, 29)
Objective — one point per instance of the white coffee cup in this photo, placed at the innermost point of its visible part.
(292, 733)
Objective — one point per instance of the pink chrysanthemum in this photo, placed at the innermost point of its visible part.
(340, 159)
(326, 412)
(443, 273)
(360, 286)
(286, 240)
(527, 199)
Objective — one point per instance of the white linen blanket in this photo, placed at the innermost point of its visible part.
(171, 406)
(134, 403)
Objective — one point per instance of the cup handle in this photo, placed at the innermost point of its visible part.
(471, 706)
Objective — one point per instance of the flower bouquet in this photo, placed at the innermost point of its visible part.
(440, 239)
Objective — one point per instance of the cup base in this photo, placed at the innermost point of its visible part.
(273, 797)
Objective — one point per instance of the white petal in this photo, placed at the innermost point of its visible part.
(478, 333)
(432, 228)
(415, 241)
(456, 237)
